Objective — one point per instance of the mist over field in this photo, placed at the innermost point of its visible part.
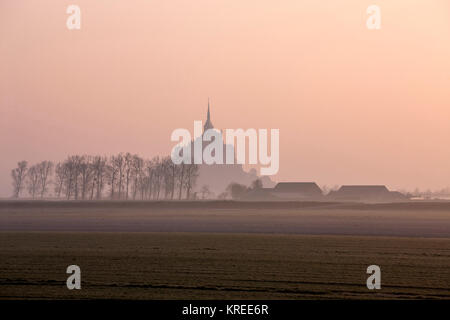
(418, 219)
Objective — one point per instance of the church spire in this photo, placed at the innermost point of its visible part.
(208, 118)
(208, 123)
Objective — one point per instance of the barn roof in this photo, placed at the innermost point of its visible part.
(298, 187)
(363, 189)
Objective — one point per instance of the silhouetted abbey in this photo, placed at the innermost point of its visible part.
(218, 176)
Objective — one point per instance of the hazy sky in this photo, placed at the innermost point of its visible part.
(354, 106)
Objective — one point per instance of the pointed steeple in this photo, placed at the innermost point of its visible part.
(208, 117)
(208, 123)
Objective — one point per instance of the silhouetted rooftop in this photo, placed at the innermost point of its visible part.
(310, 188)
(365, 193)
(363, 189)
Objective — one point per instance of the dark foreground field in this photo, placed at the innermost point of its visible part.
(220, 266)
(224, 250)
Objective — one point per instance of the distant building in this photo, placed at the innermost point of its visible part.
(218, 176)
(365, 193)
(310, 191)
(287, 191)
(208, 123)
(298, 190)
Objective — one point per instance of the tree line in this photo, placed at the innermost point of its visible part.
(119, 177)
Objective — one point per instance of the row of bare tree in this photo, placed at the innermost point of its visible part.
(122, 176)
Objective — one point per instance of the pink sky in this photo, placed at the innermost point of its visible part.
(354, 106)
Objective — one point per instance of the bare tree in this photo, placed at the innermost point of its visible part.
(120, 164)
(45, 170)
(223, 196)
(128, 168)
(71, 169)
(168, 169)
(74, 164)
(116, 175)
(60, 178)
(33, 181)
(173, 170)
(191, 178)
(18, 175)
(205, 191)
(99, 165)
(256, 184)
(148, 182)
(137, 175)
(181, 177)
(111, 174)
(87, 173)
(236, 190)
(156, 178)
